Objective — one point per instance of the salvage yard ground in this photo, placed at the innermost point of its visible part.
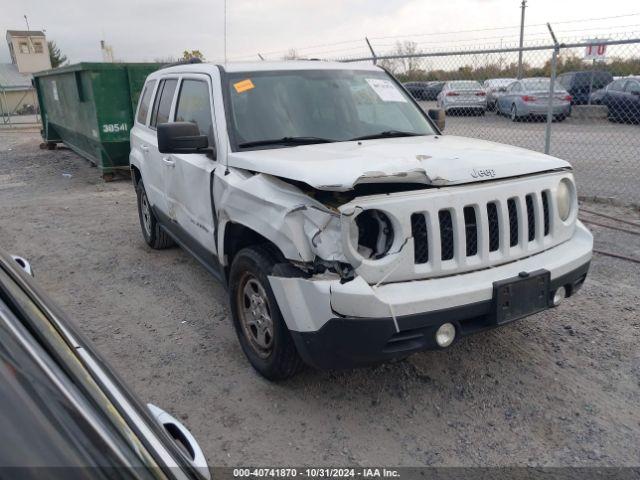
(561, 388)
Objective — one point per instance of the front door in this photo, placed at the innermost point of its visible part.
(189, 176)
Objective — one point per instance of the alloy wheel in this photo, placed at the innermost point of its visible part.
(255, 316)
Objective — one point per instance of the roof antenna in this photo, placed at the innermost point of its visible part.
(26, 20)
(225, 31)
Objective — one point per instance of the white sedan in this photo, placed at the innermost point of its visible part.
(463, 96)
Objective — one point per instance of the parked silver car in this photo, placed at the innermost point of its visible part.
(494, 88)
(463, 96)
(529, 97)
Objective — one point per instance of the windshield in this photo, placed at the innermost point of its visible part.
(317, 106)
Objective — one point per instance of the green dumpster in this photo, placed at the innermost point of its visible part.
(90, 107)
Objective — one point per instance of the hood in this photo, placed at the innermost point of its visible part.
(431, 160)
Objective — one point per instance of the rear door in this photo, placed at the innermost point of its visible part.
(142, 139)
(156, 182)
(189, 176)
(614, 98)
(632, 99)
(505, 100)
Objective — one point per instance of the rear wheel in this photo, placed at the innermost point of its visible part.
(262, 332)
(153, 234)
(514, 113)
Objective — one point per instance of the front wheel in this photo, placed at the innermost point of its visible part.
(261, 330)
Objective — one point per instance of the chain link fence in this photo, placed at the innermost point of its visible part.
(577, 101)
(18, 107)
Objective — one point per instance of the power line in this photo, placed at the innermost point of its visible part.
(514, 37)
(360, 40)
(502, 28)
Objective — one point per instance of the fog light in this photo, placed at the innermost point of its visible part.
(560, 295)
(445, 335)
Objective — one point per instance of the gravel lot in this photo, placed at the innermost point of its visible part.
(561, 388)
(605, 155)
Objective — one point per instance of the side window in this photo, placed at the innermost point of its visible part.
(617, 85)
(516, 87)
(194, 105)
(162, 104)
(145, 100)
(632, 87)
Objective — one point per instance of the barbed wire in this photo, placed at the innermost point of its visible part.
(312, 50)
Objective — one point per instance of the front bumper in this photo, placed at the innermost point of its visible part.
(353, 342)
(342, 325)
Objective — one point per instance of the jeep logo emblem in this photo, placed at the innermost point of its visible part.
(487, 172)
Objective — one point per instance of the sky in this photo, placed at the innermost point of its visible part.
(148, 30)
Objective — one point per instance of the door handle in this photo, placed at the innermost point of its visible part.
(144, 148)
(168, 161)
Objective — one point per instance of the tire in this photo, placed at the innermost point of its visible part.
(514, 113)
(152, 233)
(262, 332)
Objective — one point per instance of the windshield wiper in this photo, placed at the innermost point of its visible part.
(388, 134)
(286, 141)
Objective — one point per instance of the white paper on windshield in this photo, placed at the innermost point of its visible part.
(386, 90)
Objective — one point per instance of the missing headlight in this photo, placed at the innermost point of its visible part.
(375, 234)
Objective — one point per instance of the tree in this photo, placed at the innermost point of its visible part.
(55, 55)
(189, 55)
(408, 66)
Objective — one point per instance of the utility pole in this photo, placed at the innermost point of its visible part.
(523, 5)
(225, 31)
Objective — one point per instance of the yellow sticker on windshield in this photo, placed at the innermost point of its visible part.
(243, 86)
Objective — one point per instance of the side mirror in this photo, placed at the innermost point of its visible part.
(181, 137)
(438, 116)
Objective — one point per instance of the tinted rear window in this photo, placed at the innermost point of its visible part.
(145, 100)
(162, 105)
(465, 85)
(537, 84)
(600, 79)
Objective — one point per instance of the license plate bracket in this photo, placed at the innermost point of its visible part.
(521, 296)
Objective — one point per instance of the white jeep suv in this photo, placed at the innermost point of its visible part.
(348, 229)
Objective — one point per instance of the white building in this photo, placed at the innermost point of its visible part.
(29, 51)
(29, 54)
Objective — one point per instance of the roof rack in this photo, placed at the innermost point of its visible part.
(192, 60)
